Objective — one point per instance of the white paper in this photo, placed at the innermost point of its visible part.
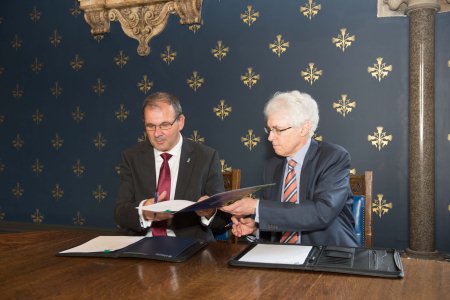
(277, 254)
(168, 206)
(104, 244)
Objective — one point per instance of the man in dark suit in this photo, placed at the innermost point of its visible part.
(192, 170)
(311, 203)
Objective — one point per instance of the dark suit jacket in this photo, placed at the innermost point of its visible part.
(199, 174)
(324, 215)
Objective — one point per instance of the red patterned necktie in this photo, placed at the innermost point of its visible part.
(290, 194)
(159, 228)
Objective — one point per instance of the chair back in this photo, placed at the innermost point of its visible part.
(361, 186)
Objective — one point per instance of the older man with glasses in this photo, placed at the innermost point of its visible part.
(311, 203)
(167, 167)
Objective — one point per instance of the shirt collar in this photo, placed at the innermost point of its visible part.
(299, 157)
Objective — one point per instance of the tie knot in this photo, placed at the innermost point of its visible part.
(166, 156)
(292, 163)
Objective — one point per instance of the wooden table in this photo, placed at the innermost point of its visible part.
(29, 269)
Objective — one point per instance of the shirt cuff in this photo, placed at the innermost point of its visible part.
(257, 211)
(144, 223)
(206, 221)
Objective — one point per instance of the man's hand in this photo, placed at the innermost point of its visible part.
(243, 226)
(152, 216)
(244, 207)
(208, 213)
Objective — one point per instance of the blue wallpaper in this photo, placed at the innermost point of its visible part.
(70, 103)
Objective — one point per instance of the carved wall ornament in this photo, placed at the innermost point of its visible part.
(139, 19)
(392, 8)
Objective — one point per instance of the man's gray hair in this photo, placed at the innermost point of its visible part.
(296, 106)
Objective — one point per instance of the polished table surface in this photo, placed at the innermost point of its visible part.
(29, 269)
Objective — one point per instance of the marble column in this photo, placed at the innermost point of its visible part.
(421, 129)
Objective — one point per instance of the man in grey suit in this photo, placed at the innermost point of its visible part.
(194, 173)
(311, 203)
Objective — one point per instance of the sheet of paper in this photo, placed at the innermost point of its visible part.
(277, 254)
(104, 243)
(168, 206)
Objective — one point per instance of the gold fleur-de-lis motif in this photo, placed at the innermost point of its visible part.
(2, 118)
(121, 59)
(99, 193)
(380, 206)
(57, 142)
(220, 51)
(18, 142)
(98, 37)
(196, 137)
(249, 16)
(117, 169)
(37, 217)
(222, 110)
(311, 74)
(57, 192)
(77, 63)
(250, 140)
(75, 10)
(279, 46)
(250, 78)
(122, 113)
(448, 63)
(99, 87)
(142, 138)
(343, 40)
(2, 167)
(195, 82)
(56, 90)
(78, 219)
(78, 169)
(16, 43)
(317, 137)
(17, 92)
(55, 38)
(353, 171)
(379, 70)
(36, 66)
(448, 137)
(224, 166)
(78, 115)
(2, 70)
(145, 84)
(379, 139)
(168, 56)
(99, 141)
(37, 167)
(17, 190)
(37, 117)
(344, 106)
(310, 9)
(35, 15)
(195, 27)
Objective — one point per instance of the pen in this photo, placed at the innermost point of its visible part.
(228, 225)
(156, 197)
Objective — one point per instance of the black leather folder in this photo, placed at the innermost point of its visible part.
(174, 249)
(359, 261)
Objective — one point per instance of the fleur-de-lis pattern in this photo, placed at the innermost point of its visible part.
(37, 217)
(380, 206)
(71, 101)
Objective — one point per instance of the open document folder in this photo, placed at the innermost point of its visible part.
(215, 201)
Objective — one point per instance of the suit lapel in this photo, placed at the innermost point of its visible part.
(149, 166)
(279, 173)
(187, 160)
(305, 176)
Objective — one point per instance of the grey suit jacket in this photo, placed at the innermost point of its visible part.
(199, 174)
(324, 214)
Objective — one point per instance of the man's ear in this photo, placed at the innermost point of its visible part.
(181, 119)
(306, 128)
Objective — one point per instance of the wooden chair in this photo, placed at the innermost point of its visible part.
(232, 181)
(361, 185)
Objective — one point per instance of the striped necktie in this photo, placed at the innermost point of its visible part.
(290, 194)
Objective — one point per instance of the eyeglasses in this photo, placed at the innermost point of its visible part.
(275, 130)
(162, 126)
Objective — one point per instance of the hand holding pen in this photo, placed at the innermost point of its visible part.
(152, 216)
(242, 226)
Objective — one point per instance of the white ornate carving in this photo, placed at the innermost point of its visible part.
(389, 8)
